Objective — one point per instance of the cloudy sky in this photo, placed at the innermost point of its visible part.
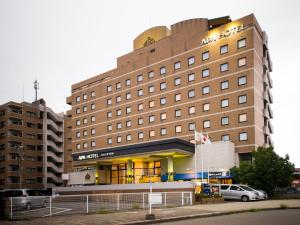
(62, 42)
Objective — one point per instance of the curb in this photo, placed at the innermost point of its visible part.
(203, 215)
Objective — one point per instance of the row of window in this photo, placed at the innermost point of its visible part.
(85, 96)
(243, 136)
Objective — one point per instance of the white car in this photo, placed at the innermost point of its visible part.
(262, 194)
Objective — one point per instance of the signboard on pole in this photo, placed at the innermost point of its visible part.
(155, 198)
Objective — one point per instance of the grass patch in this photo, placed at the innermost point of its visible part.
(103, 210)
(254, 210)
(283, 206)
(135, 206)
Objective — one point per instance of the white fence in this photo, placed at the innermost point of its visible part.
(33, 207)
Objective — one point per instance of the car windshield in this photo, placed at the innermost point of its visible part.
(246, 188)
(33, 193)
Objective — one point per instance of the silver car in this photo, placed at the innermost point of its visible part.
(262, 194)
(236, 192)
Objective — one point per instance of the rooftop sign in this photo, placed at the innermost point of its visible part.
(226, 33)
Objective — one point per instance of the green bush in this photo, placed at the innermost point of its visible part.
(283, 206)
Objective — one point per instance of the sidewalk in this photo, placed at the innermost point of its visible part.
(165, 214)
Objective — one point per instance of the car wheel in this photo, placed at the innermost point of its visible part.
(28, 206)
(245, 198)
(44, 204)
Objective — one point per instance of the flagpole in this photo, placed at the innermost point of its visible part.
(195, 143)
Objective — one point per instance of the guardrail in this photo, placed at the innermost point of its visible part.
(17, 208)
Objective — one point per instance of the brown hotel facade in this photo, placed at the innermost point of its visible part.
(131, 124)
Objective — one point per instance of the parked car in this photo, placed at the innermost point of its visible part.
(262, 194)
(25, 198)
(235, 192)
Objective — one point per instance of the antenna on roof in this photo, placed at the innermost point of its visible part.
(36, 86)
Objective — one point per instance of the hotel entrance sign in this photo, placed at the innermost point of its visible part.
(230, 31)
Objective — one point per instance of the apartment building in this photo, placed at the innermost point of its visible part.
(136, 122)
(31, 140)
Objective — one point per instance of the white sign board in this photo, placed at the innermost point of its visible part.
(155, 198)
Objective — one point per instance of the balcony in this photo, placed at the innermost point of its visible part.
(265, 40)
(268, 80)
(54, 136)
(54, 126)
(69, 100)
(54, 167)
(54, 147)
(53, 178)
(55, 157)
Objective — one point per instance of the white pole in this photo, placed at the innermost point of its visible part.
(11, 208)
(201, 162)
(50, 206)
(207, 152)
(195, 142)
(150, 204)
(118, 202)
(87, 204)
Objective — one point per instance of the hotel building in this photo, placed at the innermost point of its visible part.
(31, 146)
(136, 122)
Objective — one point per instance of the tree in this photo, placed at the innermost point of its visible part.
(266, 171)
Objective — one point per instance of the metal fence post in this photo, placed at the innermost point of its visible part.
(191, 198)
(50, 204)
(182, 199)
(11, 208)
(87, 204)
(165, 199)
(118, 202)
(143, 200)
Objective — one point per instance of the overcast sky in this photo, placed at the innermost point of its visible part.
(63, 42)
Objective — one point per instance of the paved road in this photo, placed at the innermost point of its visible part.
(275, 217)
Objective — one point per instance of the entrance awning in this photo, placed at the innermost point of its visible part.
(175, 144)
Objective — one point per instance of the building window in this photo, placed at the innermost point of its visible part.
(109, 114)
(93, 94)
(225, 120)
(77, 122)
(140, 92)
(163, 131)
(109, 88)
(128, 82)
(241, 43)
(163, 101)
(224, 103)
(78, 111)
(177, 97)
(118, 99)
(242, 62)
(78, 99)
(128, 109)
(151, 89)
(119, 125)
(93, 106)
(191, 77)
(223, 49)
(109, 127)
(163, 116)
(151, 118)
(151, 133)
(205, 72)
(140, 106)
(109, 101)
(93, 119)
(93, 131)
(84, 108)
(191, 93)
(192, 126)
(242, 80)
(177, 112)
(192, 110)
(243, 118)
(225, 137)
(242, 99)
(119, 112)
(141, 135)
(119, 139)
(243, 136)
(140, 121)
(140, 78)
(163, 85)
(205, 90)
(206, 124)
(78, 146)
(162, 70)
(191, 60)
(78, 134)
(84, 96)
(93, 143)
(150, 74)
(85, 145)
(151, 104)
(178, 129)
(109, 141)
(128, 96)
(177, 65)
(128, 137)
(224, 85)
(128, 123)
(84, 120)
(206, 107)
(177, 81)
(205, 55)
(85, 133)
(224, 67)
(118, 85)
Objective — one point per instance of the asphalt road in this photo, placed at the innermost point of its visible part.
(274, 217)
